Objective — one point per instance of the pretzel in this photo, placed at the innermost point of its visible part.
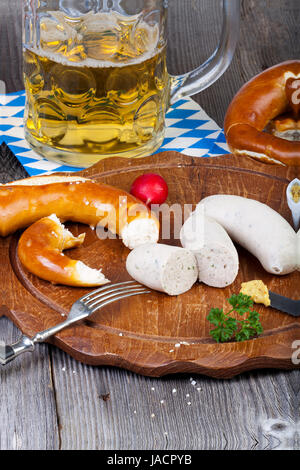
(76, 199)
(40, 251)
(79, 200)
(267, 96)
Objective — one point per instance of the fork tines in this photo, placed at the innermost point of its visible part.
(111, 293)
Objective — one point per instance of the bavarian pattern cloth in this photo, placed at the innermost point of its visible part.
(189, 130)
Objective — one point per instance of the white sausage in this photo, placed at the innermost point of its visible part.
(217, 258)
(256, 227)
(164, 268)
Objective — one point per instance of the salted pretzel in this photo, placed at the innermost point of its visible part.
(70, 198)
(271, 99)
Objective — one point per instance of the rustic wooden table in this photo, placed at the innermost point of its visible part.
(50, 401)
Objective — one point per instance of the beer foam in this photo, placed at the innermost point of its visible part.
(60, 28)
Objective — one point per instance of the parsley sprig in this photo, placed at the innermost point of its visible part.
(228, 328)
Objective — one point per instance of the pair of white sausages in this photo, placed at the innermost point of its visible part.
(206, 234)
(252, 224)
(208, 254)
(257, 228)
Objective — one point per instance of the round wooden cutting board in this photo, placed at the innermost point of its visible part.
(140, 333)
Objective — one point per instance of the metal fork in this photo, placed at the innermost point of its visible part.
(81, 309)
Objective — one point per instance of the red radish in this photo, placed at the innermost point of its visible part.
(150, 188)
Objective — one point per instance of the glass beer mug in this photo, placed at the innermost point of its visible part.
(96, 78)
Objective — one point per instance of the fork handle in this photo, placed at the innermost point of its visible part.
(10, 352)
(44, 335)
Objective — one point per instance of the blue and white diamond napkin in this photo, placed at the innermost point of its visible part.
(189, 131)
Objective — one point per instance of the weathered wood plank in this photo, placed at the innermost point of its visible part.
(224, 414)
(254, 411)
(28, 418)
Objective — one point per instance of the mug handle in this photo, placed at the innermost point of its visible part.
(204, 76)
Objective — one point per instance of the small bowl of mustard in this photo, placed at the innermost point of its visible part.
(293, 198)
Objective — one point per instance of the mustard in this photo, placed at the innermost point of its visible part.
(258, 292)
(295, 191)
